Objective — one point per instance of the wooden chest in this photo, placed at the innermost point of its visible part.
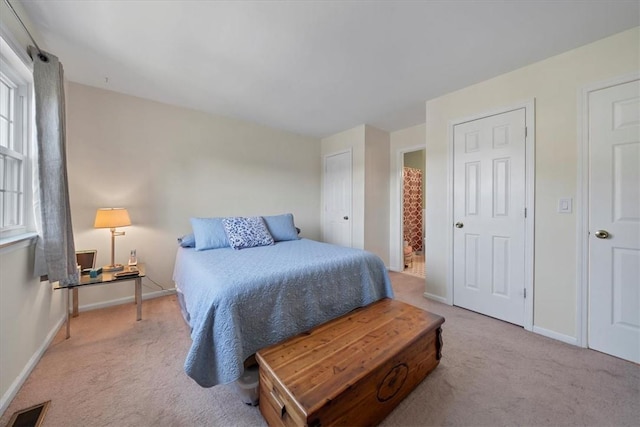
(351, 371)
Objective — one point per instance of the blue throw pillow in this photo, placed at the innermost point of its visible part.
(187, 241)
(281, 227)
(209, 233)
(247, 232)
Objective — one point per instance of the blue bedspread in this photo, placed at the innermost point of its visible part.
(238, 302)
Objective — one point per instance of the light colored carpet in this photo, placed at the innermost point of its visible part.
(115, 371)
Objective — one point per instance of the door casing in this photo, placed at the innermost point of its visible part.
(396, 224)
(582, 204)
(529, 107)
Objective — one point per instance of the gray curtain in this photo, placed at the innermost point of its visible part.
(55, 251)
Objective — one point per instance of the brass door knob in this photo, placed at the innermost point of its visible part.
(602, 234)
(459, 225)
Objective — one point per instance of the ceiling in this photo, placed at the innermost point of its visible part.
(313, 67)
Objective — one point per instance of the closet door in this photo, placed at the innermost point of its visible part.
(337, 199)
(614, 221)
(489, 202)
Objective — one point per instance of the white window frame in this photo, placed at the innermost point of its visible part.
(17, 74)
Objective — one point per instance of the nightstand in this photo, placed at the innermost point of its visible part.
(103, 279)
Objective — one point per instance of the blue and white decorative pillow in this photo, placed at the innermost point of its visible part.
(246, 232)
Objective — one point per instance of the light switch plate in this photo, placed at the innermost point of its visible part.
(565, 205)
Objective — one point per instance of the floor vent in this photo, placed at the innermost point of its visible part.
(30, 417)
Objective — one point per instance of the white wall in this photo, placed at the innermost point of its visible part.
(554, 83)
(166, 164)
(408, 139)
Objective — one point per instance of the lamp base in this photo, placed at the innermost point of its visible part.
(115, 267)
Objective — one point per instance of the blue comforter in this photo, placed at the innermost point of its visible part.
(238, 302)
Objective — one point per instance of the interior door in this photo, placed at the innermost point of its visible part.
(489, 213)
(614, 220)
(337, 199)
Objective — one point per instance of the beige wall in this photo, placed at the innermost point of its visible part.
(412, 138)
(166, 164)
(30, 314)
(554, 83)
(370, 189)
(376, 209)
(414, 159)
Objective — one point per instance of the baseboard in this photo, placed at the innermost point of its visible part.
(33, 361)
(433, 297)
(555, 335)
(125, 300)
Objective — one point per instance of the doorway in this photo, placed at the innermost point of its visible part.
(413, 212)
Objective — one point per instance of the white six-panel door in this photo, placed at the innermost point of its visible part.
(614, 221)
(337, 199)
(489, 216)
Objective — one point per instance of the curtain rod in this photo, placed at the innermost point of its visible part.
(41, 55)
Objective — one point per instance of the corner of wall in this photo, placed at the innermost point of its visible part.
(13, 389)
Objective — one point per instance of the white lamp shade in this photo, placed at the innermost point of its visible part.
(111, 218)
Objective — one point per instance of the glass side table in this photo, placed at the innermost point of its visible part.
(102, 279)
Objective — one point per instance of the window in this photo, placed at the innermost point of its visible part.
(15, 166)
(12, 156)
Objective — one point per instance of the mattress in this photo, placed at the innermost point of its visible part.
(239, 301)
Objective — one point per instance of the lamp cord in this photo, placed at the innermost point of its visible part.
(157, 284)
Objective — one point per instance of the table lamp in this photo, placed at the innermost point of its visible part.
(112, 218)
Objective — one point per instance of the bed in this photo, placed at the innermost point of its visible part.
(239, 301)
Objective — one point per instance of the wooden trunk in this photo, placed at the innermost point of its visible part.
(352, 370)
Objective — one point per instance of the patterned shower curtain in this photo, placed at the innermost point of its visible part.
(412, 207)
